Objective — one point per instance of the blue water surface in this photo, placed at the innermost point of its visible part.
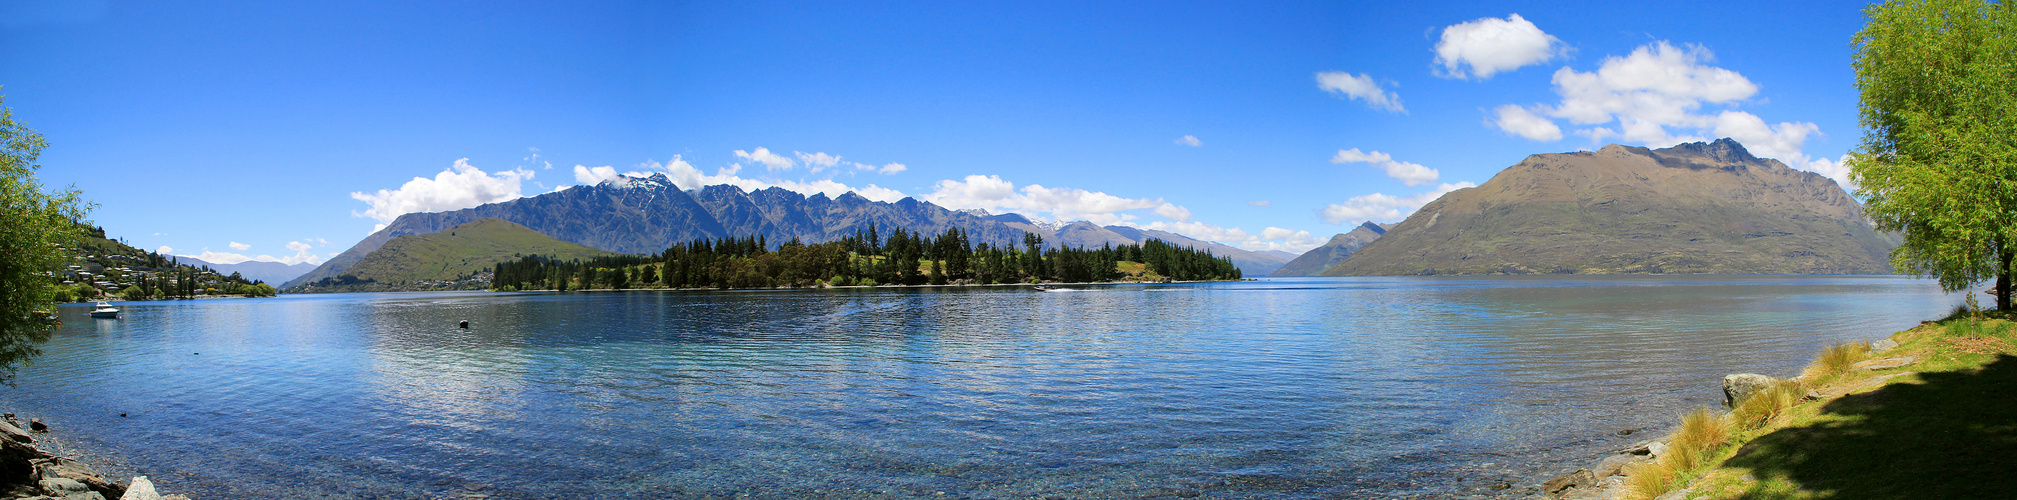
(1280, 388)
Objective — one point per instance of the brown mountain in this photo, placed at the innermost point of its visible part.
(1691, 208)
(1315, 261)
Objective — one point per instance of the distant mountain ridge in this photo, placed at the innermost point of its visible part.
(645, 215)
(273, 273)
(1342, 246)
(1692, 208)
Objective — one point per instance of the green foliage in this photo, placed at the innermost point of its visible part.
(37, 226)
(905, 259)
(1938, 159)
(452, 259)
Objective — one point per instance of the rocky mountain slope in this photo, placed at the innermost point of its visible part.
(1315, 261)
(649, 214)
(1691, 208)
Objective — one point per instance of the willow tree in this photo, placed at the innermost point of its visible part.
(1938, 160)
(34, 228)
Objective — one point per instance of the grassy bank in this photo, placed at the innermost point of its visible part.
(1933, 417)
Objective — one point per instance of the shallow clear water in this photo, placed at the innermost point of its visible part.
(1280, 388)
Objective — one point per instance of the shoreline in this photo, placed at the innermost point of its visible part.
(1693, 459)
(32, 468)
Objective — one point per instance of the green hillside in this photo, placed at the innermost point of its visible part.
(459, 258)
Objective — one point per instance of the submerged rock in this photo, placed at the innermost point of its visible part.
(1738, 386)
(1581, 478)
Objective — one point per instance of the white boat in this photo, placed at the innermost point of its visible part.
(105, 310)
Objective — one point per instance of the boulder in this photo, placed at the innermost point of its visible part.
(1615, 464)
(67, 489)
(15, 433)
(140, 489)
(1648, 448)
(1581, 478)
(1738, 386)
(1882, 345)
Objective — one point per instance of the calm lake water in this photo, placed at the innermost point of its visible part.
(1281, 388)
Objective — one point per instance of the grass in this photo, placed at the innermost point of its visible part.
(1944, 426)
(461, 251)
(1836, 360)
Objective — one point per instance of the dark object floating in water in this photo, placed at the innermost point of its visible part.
(35, 424)
(122, 414)
(464, 325)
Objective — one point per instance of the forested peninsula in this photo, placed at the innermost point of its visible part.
(865, 259)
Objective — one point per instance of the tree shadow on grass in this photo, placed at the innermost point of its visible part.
(1954, 436)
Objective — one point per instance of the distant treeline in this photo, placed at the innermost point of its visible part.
(863, 259)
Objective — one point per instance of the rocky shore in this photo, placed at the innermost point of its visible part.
(1606, 479)
(29, 472)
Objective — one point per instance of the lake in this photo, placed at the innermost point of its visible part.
(1278, 388)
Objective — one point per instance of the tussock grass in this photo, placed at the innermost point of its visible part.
(1836, 359)
(1701, 431)
(1767, 405)
(1650, 479)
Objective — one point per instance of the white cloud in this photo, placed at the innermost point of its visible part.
(1190, 140)
(1384, 207)
(887, 169)
(1411, 174)
(1200, 231)
(1492, 45)
(993, 193)
(769, 160)
(1287, 240)
(1261, 203)
(1519, 121)
(815, 162)
(461, 186)
(1655, 97)
(1272, 238)
(165, 250)
(1173, 212)
(1837, 169)
(300, 249)
(219, 257)
(1360, 87)
(239, 246)
(1657, 86)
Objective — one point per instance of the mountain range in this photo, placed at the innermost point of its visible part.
(255, 270)
(645, 215)
(1692, 208)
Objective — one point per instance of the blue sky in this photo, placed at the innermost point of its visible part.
(292, 131)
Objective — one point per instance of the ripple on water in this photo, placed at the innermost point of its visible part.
(1278, 388)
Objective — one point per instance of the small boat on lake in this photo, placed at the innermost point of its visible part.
(105, 310)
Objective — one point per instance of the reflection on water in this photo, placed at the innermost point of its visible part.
(1277, 388)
